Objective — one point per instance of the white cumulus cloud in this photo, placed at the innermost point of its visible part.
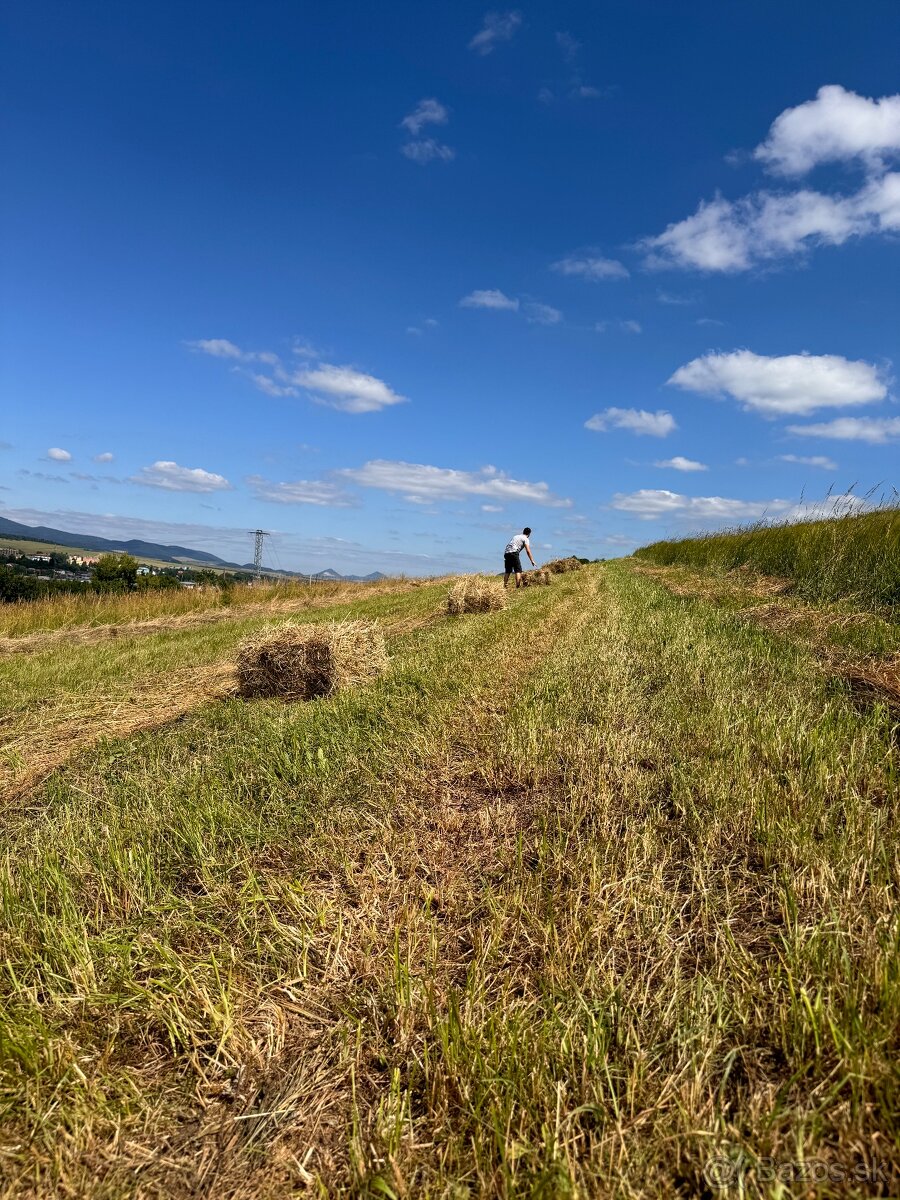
(635, 420)
(105, 457)
(173, 478)
(735, 235)
(345, 388)
(496, 27)
(590, 267)
(489, 298)
(419, 482)
(837, 126)
(57, 454)
(680, 463)
(790, 384)
(876, 431)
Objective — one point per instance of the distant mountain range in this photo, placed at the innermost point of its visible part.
(178, 556)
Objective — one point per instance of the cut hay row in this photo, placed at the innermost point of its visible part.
(325, 657)
(32, 643)
(474, 594)
(32, 760)
(303, 662)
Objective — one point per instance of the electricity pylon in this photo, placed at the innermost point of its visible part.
(258, 535)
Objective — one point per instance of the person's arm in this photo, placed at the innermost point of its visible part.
(528, 552)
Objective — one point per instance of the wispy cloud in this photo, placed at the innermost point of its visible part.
(426, 112)
(420, 330)
(679, 463)
(105, 457)
(422, 483)
(877, 431)
(44, 476)
(634, 420)
(172, 478)
(790, 384)
(495, 28)
(568, 46)
(426, 150)
(297, 552)
(336, 386)
(622, 326)
(676, 299)
(652, 503)
(591, 267)
(489, 298)
(542, 314)
(222, 348)
(811, 460)
(316, 492)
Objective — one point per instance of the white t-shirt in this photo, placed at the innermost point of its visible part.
(517, 543)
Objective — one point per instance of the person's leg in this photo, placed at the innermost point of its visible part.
(518, 579)
(506, 579)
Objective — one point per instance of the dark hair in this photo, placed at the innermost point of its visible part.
(526, 531)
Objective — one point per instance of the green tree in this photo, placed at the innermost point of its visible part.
(116, 573)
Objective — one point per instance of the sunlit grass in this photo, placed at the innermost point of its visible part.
(853, 556)
(579, 894)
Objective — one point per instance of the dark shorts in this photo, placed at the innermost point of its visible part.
(512, 563)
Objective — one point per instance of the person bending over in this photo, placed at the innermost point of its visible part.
(512, 556)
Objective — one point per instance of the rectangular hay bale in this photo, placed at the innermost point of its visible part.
(475, 594)
(301, 662)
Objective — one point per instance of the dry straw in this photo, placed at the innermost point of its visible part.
(537, 578)
(472, 594)
(559, 566)
(301, 662)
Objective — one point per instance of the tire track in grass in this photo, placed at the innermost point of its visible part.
(405, 911)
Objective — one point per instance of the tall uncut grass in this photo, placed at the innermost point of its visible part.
(852, 556)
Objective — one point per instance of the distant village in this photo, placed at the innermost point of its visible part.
(27, 573)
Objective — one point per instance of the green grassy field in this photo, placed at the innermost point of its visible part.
(593, 896)
(854, 555)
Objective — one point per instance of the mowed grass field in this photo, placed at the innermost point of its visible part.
(593, 896)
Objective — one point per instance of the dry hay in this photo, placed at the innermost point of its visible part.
(473, 594)
(537, 578)
(875, 681)
(47, 743)
(560, 566)
(303, 662)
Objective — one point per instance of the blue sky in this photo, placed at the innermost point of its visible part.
(392, 281)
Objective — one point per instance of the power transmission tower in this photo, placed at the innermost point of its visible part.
(259, 535)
